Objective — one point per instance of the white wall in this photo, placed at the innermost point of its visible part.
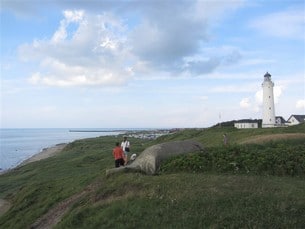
(245, 125)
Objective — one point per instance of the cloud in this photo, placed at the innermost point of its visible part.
(277, 92)
(259, 97)
(286, 24)
(245, 103)
(74, 16)
(234, 88)
(167, 33)
(93, 53)
(173, 38)
(19, 8)
(207, 60)
(202, 66)
(111, 48)
(300, 104)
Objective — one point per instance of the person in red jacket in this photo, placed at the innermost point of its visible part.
(118, 155)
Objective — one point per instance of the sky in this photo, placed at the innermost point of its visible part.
(148, 64)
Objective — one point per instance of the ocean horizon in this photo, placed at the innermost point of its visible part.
(19, 144)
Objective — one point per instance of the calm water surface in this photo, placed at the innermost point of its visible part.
(17, 145)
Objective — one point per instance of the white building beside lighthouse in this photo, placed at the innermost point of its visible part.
(268, 102)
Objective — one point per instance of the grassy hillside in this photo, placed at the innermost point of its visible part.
(214, 136)
(70, 190)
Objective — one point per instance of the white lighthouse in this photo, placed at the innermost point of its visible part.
(268, 102)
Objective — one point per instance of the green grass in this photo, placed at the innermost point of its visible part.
(214, 136)
(180, 198)
(185, 200)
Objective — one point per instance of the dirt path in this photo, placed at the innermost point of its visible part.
(4, 206)
(55, 214)
(272, 137)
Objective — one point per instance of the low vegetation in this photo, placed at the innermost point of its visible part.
(257, 185)
(285, 158)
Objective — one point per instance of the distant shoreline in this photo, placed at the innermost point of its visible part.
(45, 153)
(106, 131)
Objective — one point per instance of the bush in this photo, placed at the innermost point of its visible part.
(276, 158)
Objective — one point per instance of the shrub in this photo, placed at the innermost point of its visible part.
(276, 158)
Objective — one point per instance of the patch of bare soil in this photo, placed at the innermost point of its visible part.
(45, 153)
(4, 206)
(272, 137)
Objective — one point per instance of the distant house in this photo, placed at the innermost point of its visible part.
(279, 121)
(246, 124)
(295, 119)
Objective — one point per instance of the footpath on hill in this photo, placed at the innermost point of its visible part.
(272, 137)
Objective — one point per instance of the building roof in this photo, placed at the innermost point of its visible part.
(246, 121)
(300, 118)
(280, 117)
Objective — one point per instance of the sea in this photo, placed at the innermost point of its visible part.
(18, 145)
